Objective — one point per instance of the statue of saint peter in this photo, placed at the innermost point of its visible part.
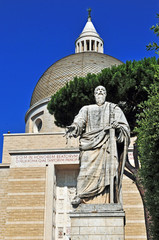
(104, 139)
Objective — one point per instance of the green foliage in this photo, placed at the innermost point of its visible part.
(154, 46)
(148, 146)
(125, 86)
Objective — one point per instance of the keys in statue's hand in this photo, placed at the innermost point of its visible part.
(115, 124)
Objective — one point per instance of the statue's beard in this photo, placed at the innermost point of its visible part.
(100, 99)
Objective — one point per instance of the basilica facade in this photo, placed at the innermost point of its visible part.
(38, 174)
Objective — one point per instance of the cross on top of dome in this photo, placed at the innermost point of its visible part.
(89, 13)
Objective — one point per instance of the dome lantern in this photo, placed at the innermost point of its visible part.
(89, 40)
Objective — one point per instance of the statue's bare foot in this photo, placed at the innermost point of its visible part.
(76, 201)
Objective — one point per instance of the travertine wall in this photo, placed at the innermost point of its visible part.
(39, 141)
(4, 173)
(25, 204)
(23, 191)
(22, 197)
(133, 207)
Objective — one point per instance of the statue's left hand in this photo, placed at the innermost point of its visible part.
(115, 125)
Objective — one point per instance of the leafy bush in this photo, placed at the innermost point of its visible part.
(148, 147)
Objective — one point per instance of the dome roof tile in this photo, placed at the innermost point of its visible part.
(64, 70)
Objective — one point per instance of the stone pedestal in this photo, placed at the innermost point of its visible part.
(102, 222)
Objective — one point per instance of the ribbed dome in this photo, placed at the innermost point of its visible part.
(67, 68)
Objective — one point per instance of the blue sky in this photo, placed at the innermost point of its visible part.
(36, 33)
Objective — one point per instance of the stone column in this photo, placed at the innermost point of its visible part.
(80, 47)
(85, 47)
(102, 48)
(49, 203)
(95, 46)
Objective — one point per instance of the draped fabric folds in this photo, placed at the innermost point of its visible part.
(93, 125)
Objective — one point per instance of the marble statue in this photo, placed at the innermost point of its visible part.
(104, 139)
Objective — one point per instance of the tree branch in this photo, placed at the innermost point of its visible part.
(130, 167)
(135, 154)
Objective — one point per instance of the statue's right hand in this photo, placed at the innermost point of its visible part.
(71, 131)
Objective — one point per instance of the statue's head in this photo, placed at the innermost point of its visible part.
(100, 95)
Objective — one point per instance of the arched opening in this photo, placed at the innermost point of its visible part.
(93, 45)
(82, 46)
(87, 44)
(97, 46)
(37, 125)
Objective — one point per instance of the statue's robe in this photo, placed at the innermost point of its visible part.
(93, 124)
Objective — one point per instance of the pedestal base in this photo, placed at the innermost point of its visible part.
(98, 222)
